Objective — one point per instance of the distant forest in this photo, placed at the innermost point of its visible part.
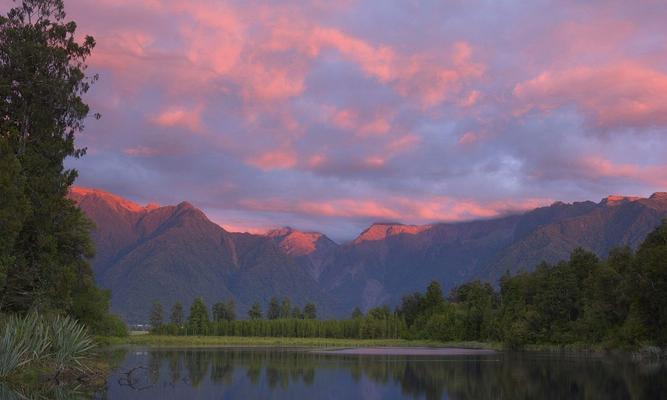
(620, 301)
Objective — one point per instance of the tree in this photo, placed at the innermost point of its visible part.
(176, 317)
(224, 311)
(379, 312)
(433, 297)
(198, 318)
(219, 312)
(274, 309)
(285, 308)
(411, 306)
(650, 294)
(296, 313)
(46, 245)
(356, 313)
(477, 303)
(310, 311)
(156, 318)
(255, 311)
(231, 310)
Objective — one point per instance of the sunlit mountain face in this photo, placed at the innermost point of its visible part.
(176, 253)
(331, 116)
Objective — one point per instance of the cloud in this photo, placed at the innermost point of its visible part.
(275, 159)
(189, 119)
(623, 95)
(330, 115)
(394, 208)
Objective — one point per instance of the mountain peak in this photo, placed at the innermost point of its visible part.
(184, 205)
(78, 193)
(659, 196)
(280, 232)
(298, 243)
(614, 200)
(382, 230)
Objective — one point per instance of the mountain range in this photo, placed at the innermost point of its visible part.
(175, 253)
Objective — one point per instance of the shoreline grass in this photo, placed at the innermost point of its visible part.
(577, 349)
(241, 341)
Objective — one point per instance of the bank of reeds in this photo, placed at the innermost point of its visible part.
(57, 343)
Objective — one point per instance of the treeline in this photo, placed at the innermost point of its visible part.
(618, 301)
(280, 320)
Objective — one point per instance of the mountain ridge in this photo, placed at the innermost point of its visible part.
(175, 253)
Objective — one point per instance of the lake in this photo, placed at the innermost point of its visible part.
(293, 373)
(275, 373)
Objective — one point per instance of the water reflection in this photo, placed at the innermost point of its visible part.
(292, 373)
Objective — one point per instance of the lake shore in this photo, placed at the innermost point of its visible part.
(581, 349)
(239, 341)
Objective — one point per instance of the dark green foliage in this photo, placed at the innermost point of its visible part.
(224, 311)
(45, 240)
(309, 311)
(285, 308)
(360, 328)
(198, 318)
(477, 304)
(156, 318)
(176, 317)
(651, 284)
(273, 311)
(356, 313)
(255, 311)
(380, 312)
(109, 325)
(296, 313)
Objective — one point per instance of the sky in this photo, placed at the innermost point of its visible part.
(330, 115)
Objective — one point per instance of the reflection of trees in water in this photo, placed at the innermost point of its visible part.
(501, 376)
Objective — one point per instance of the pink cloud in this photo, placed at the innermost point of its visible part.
(274, 159)
(468, 138)
(624, 95)
(180, 117)
(396, 208)
(360, 124)
(597, 167)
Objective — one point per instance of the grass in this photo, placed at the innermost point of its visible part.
(212, 341)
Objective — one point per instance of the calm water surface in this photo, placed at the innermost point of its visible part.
(272, 373)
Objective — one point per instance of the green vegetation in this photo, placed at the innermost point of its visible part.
(582, 303)
(203, 341)
(618, 302)
(61, 343)
(283, 320)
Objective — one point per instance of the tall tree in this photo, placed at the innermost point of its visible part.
(310, 311)
(176, 317)
(296, 313)
(45, 238)
(219, 312)
(231, 310)
(255, 311)
(285, 308)
(198, 318)
(274, 309)
(156, 318)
